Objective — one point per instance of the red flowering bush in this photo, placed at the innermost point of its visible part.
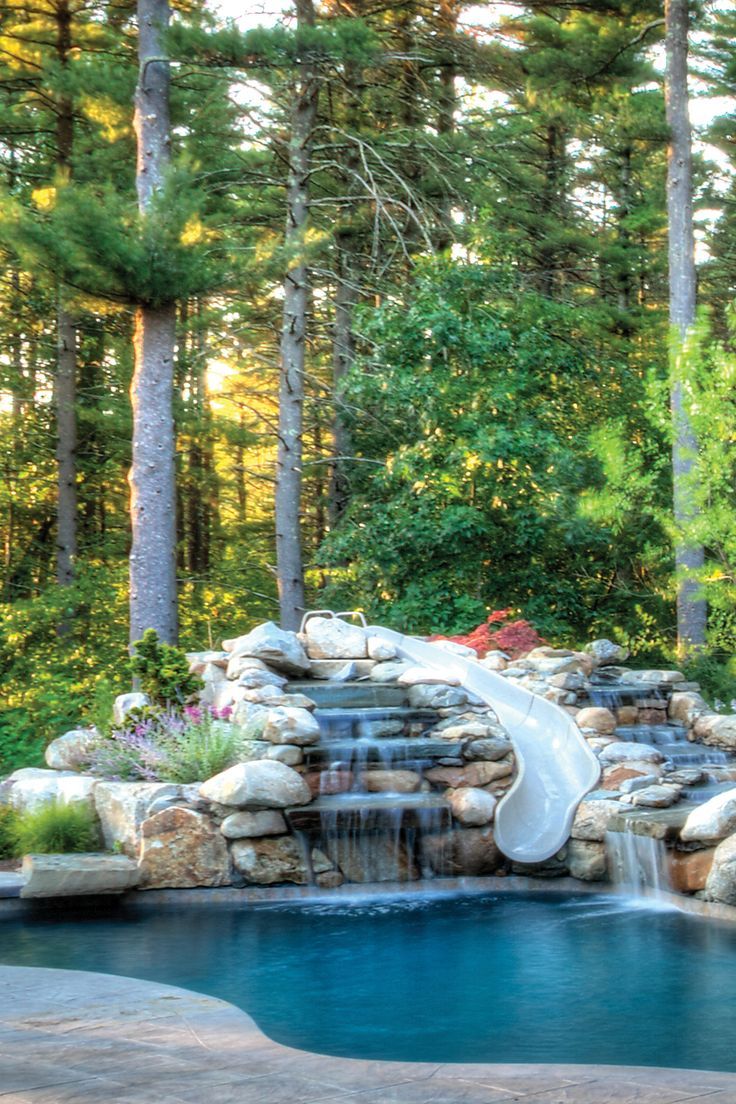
(516, 638)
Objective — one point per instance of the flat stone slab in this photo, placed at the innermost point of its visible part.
(664, 824)
(73, 1037)
(350, 695)
(77, 875)
(11, 883)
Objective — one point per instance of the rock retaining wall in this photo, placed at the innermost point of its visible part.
(237, 828)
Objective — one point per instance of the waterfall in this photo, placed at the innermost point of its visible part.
(637, 864)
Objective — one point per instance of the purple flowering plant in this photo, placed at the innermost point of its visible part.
(183, 745)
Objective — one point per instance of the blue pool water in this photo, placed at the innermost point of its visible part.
(491, 979)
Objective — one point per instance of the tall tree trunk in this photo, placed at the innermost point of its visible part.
(447, 17)
(152, 485)
(552, 201)
(689, 557)
(293, 338)
(347, 264)
(343, 356)
(66, 449)
(624, 237)
(65, 382)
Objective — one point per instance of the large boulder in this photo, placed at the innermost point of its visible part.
(77, 875)
(656, 678)
(126, 703)
(275, 646)
(623, 751)
(472, 806)
(285, 725)
(181, 849)
(437, 697)
(380, 650)
(199, 661)
(655, 797)
(333, 638)
(70, 752)
(392, 781)
(274, 860)
(721, 881)
(239, 664)
(689, 870)
(598, 719)
(605, 653)
(593, 819)
(462, 851)
(245, 825)
(29, 788)
(385, 860)
(253, 679)
(685, 708)
(123, 806)
(259, 784)
(476, 774)
(341, 670)
(716, 730)
(713, 820)
(388, 672)
(586, 860)
(273, 697)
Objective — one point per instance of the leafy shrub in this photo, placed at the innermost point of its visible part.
(717, 678)
(55, 828)
(8, 820)
(168, 745)
(162, 670)
(514, 637)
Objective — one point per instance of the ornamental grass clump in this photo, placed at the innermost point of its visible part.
(55, 829)
(170, 745)
(8, 821)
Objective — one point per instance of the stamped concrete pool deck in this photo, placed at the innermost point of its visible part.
(70, 1037)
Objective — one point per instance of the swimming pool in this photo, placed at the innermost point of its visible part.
(506, 978)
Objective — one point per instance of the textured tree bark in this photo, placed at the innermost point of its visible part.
(65, 390)
(65, 381)
(447, 17)
(343, 356)
(289, 565)
(624, 237)
(689, 556)
(152, 484)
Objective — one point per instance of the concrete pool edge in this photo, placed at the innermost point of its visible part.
(13, 906)
(72, 1036)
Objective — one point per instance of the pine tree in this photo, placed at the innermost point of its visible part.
(689, 556)
(153, 600)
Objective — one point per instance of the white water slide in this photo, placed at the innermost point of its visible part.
(555, 766)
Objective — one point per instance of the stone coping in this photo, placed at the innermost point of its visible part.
(73, 1037)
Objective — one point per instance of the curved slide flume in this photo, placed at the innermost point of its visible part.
(555, 766)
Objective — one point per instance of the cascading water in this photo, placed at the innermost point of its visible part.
(371, 830)
(637, 864)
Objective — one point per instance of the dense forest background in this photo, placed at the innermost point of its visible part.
(481, 255)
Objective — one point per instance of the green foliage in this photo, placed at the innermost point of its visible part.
(716, 674)
(55, 828)
(467, 415)
(95, 240)
(182, 746)
(205, 747)
(162, 670)
(8, 822)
